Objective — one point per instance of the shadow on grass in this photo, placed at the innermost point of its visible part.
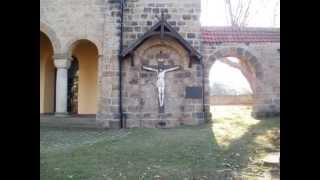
(238, 155)
(191, 152)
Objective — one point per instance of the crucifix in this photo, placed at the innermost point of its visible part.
(161, 70)
(162, 19)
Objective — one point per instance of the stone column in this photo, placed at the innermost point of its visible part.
(62, 64)
(99, 80)
(101, 65)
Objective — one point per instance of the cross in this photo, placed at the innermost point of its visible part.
(162, 20)
(161, 70)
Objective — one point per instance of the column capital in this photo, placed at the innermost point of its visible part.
(62, 63)
(60, 56)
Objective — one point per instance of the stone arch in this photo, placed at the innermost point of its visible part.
(47, 30)
(248, 59)
(47, 75)
(87, 54)
(71, 44)
(251, 61)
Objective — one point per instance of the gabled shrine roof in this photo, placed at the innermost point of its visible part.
(162, 29)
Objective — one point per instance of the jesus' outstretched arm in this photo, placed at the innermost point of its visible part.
(150, 69)
(172, 69)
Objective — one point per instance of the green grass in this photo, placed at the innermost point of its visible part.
(180, 153)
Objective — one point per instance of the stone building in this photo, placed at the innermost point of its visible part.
(81, 50)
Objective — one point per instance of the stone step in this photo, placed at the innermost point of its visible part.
(272, 159)
(59, 125)
(69, 121)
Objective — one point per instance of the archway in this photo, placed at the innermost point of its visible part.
(47, 75)
(232, 86)
(250, 67)
(84, 66)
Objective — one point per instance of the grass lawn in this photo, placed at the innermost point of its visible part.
(234, 141)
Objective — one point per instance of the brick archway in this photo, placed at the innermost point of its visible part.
(242, 54)
(249, 62)
(71, 44)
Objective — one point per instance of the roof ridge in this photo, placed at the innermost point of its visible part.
(240, 29)
(246, 34)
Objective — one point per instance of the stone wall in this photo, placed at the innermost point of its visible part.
(140, 91)
(108, 105)
(231, 100)
(264, 58)
(66, 22)
(71, 20)
(184, 16)
(139, 17)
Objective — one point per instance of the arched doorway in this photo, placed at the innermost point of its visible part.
(83, 73)
(47, 75)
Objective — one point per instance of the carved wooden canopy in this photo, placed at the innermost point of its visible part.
(162, 29)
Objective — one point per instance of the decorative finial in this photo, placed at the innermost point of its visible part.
(162, 15)
(162, 18)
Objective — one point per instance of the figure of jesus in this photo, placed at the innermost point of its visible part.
(160, 80)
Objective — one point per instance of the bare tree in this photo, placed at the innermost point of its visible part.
(275, 13)
(238, 12)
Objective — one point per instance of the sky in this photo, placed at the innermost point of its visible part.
(230, 76)
(214, 13)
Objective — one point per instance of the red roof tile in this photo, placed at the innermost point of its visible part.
(248, 34)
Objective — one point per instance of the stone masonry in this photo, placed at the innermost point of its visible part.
(140, 102)
(264, 60)
(67, 21)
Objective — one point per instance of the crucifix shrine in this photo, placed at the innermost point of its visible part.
(170, 99)
(161, 70)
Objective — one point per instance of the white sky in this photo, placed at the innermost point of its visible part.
(261, 13)
(230, 76)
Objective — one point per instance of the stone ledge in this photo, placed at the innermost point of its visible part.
(265, 114)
